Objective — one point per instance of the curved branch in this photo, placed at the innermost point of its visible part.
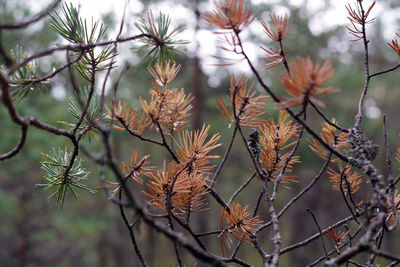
(313, 237)
(241, 188)
(36, 18)
(385, 71)
(359, 115)
(77, 47)
(131, 233)
(17, 148)
(301, 193)
(320, 233)
(29, 120)
(291, 113)
(218, 170)
(327, 120)
(277, 239)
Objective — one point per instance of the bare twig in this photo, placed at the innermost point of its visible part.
(224, 158)
(315, 236)
(244, 185)
(320, 233)
(18, 147)
(343, 178)
(36, 18)
(77, 47)
(301, 193)
(285, 164)
(131, 233)
(359, 115)
(327, 120)
(277, 239)
(391, 183)
(385, 71)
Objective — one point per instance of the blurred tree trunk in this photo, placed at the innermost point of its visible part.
(198, 103)
(23, 235)
(198, 109)
(102, 252)
(151, 246)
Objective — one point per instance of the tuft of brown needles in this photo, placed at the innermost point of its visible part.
(358, 19)
(329, 136)
(229, 15)
(239, 223)
(350, 180)
(249, 106)
(278, 31)
(304, 81)
(395, 45)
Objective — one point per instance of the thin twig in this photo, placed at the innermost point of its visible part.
(359, 115)
(223, 160)
(36, 18)
(285, 164)
(283, 55)
(327, 120)
(55, 72)
(391, 183)
(342, 179)
(18, 147)
(218, 198)
(77, 47)
(244, 185)
(187, 227)
(131, 233)
(320, 233)
(377, 245)
(315, 236)
(301, 193)
(385, 71)
(277, 239)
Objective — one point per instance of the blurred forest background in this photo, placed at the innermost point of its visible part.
(89, 231)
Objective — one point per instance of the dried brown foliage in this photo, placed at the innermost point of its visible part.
(249, 105)
(194, 148)
(336, 237)
(239, 223)
(395, 45)
(187, 189)
(330, 136)
(276, 139)
(169, 108)
(229, 15)
(358, 18)
(278, 31)
(346, 179)
(128, 118)
(304, 81)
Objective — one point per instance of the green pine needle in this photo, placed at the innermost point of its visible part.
(75, 110)
(54, 165)
(22, 81)
(76, 30)
(165, 47)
